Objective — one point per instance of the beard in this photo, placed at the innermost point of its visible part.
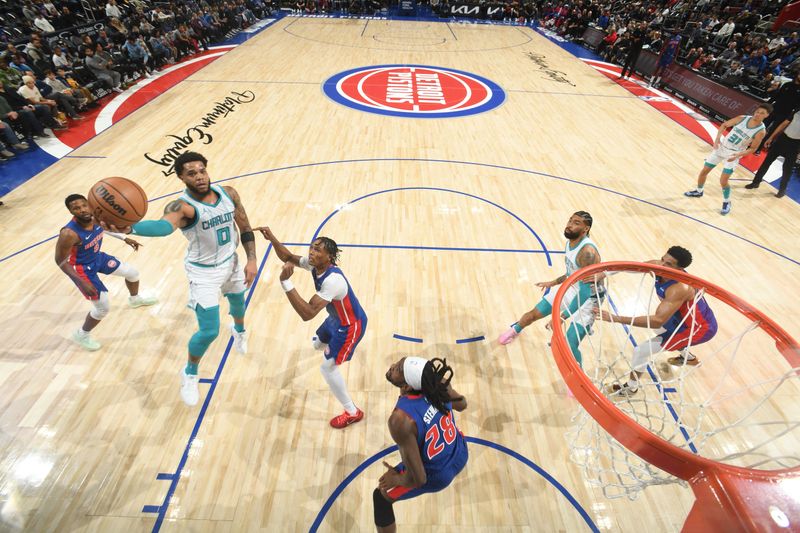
(197, 191)
(571, 234)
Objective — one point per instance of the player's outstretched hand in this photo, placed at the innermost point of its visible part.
(266, 232)
(133, 244)
(287, 271)
(116, 229)
(390, 479)
(599, 314)
(545, 284)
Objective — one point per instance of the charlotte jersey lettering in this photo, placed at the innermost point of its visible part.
(212, 234)
(199, 132)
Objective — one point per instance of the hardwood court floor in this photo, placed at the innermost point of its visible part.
(85, 435)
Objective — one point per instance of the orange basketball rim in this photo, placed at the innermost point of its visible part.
(728, 498)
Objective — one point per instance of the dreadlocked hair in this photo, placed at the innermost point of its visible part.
(436, 376)
(331, 247)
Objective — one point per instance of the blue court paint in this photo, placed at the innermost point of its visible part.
(206, 380)
(441, 248)
(487, 165)
(472, 440)
(404, 338)
(162, 509)
(438, 189)
(163, 475)
(670, 389)
(471, 339)
(151, 509)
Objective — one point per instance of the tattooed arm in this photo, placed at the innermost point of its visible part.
(246, 232)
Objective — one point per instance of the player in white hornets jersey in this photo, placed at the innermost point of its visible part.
(581, 298)
(743, 139)
(208, 215)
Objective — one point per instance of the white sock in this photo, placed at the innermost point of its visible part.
(701, 187)
(82, 332)
(335, 381)
(633, 384)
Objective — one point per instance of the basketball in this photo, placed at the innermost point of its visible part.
(118, 201)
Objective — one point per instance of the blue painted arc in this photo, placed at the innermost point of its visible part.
(440, 189)
(472, 440)
(796, 262)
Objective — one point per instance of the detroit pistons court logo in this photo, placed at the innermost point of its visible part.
(416, 91)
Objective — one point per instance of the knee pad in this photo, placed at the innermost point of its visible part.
(128, 271)
(236, 303)
(384, 513)
(100, 307)
(208, 322)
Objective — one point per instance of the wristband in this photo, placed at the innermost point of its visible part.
(287, 285)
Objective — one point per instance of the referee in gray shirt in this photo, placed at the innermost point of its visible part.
(784, 141)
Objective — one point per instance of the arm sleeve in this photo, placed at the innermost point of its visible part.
(152, 228)
(304, 264)
(333, 288)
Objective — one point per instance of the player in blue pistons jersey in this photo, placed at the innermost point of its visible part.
(208, 216)
(344, 328)
(432, 448)
(78, 255)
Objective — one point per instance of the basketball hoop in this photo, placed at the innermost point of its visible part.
(680, 417)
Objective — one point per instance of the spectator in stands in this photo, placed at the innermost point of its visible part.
(83, 94)
(29, 12)
(117, 31)
(725, 32)
(608, 40)
(66, 19)
(756, 64)
(137, 54)
(162, 49)
(101, 68)
(724, 59)
(734, 74)
(20, 63)
(34, 97)
(43, 24)
(31, 119)
(112, 10)
(9, 139)
(64, 95)
(60, 59)
(8, 75)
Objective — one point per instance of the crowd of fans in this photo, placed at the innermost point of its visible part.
(52, 67)
(730, 42)
(58, 58)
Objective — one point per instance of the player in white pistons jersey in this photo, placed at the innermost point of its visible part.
(743, 139)
(581, 298)
(208, 215)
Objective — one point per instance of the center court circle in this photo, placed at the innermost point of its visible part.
(416, 91)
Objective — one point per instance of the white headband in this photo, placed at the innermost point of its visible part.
(412, 371)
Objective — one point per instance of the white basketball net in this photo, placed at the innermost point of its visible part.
(737, 406)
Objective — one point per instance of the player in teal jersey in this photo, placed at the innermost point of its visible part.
(208, 216)
(743, 139)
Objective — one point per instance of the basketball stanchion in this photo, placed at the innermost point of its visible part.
(726, 424)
